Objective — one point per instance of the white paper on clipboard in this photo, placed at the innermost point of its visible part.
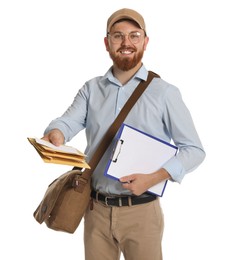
(138, 152)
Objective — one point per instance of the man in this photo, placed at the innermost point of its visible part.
(135, 229)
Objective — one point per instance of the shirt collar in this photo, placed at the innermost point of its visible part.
(141, 74)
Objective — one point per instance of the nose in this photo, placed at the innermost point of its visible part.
(126, 39)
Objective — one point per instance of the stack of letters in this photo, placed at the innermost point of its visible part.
(62, 154)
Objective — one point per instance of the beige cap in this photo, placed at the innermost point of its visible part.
(126, 14)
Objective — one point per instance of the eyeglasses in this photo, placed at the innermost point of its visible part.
(119, 37)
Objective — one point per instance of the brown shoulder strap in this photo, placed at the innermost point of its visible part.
(111, 132)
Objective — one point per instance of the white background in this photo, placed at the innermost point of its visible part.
(49, 48)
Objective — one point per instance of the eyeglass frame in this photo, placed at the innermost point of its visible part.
(123, 35)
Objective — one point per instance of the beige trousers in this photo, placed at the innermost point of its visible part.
(136, 231)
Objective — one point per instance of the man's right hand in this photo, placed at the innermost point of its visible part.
(55, 137)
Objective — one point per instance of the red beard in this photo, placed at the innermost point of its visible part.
(126, 63)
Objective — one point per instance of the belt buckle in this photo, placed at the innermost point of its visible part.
(106, 200)
(119, 200)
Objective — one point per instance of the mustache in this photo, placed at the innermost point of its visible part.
(123, 48)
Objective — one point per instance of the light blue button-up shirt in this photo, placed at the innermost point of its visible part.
(160, 112)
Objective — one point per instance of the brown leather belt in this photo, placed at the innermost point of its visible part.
(119, 201)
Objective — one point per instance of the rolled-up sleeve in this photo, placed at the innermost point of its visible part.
(74, 119)
(180, 125)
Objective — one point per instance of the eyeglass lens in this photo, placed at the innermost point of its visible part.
(119, 37)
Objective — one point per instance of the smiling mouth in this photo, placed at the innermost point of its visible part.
(126, 52)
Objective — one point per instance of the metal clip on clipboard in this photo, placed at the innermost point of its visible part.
(117, 150)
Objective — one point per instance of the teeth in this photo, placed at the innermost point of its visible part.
(126, 52)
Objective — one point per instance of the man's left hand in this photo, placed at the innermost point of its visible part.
(137, 183)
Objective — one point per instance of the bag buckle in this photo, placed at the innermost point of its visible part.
(79, 183)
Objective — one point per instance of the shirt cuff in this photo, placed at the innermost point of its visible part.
(175, 169)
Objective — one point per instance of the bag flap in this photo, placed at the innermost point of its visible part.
(52, 193)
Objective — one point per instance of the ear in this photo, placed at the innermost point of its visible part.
(106, 43)
(146, 42)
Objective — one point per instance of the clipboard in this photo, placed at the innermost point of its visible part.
(139, 152)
